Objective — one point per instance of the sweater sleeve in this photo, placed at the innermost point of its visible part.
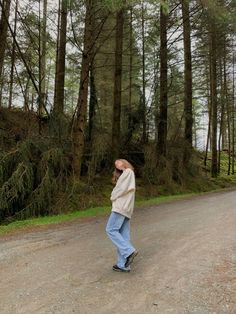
(125, 184)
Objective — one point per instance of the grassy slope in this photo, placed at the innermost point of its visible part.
(90, 212)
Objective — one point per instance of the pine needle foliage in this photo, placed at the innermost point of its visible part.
(15, 189)
(30, 176)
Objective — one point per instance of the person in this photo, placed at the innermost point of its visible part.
(118, 225)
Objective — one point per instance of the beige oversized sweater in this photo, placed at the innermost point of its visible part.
(123, 194)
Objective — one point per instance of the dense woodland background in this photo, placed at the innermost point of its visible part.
(85, 82)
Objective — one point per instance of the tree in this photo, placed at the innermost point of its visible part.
(117, 84)
(79, 123)
(60, 62)
(13, 57)
(5, 6)
(188, 112)
(233, 115)
(144, 116)
(42, 58)
(213, 93)
(162, 125)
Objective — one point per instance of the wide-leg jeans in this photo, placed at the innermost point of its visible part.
(118, 230)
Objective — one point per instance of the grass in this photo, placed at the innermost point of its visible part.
(163, 199)
(56, 219)
(90, 212)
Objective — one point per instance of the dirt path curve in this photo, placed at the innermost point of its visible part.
(187, 264)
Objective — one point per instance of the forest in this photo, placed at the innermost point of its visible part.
(83, 83)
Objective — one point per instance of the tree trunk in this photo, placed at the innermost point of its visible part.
(195, 131)
(13, 57)
(32, 101)
(233, 123)
(222, 115)
(3, 35)
(1, 87)
(187, 81)
(92, 102)
(213, 90)
(78, 131)
(117, 85)
(208, 131)
(162, 125)
(144, 136)
(26, 97)
(227, 107)
(60, 71)
(130, 69)
(57, 51)
(156, 97)
(43, 45)
(208, 143)
(93, 93)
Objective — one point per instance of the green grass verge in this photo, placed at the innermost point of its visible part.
(164, 199)
(48, 220)
(90, 212)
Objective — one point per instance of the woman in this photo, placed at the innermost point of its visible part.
(118, 225)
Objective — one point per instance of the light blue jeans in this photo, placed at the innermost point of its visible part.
(118, 230)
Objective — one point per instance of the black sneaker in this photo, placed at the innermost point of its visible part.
(130, 258)
(116, 268)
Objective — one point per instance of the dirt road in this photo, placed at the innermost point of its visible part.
(186, 264)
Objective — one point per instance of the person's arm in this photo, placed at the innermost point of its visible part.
(125, 184)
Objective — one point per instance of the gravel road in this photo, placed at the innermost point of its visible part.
(186, 263)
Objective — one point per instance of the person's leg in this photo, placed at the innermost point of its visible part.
(125, 232)
(121, 260)
(113, 227)
(125, 229)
